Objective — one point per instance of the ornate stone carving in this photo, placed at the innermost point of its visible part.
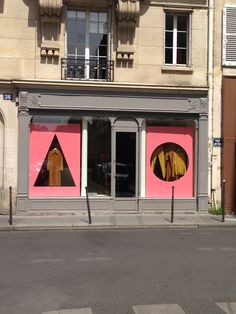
(194, 105)
(33, 100)
(50, 18)
(198, 105)
(127, 17)
(128, 11)
(23, 99)
(23, 112)
(203, 117)
(204, 105)
(50, 7)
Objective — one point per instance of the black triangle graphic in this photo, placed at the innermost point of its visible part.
(60, 177)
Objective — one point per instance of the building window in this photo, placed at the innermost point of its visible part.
(87, 46)
(177, 38)
(54, 159)
(169, 160)
(229, 36)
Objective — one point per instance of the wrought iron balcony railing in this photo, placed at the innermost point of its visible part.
(87, 69)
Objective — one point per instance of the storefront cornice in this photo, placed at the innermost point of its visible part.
(108, 86)
(7, 83)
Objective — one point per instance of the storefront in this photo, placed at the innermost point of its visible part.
(127, 148)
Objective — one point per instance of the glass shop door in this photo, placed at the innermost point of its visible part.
(125, 170)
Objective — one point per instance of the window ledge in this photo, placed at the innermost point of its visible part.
(177, 68)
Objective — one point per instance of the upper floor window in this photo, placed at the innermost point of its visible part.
(87, 45)
(229, 36)
(177, 38)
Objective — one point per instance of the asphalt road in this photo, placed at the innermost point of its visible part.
(113, 272)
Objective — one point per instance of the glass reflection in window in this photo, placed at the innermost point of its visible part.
(99, 156)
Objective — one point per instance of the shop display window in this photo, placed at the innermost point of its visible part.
(169, 161)
(99, 156)
(54, 168)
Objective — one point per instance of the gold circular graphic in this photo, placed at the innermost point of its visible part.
(169, 161)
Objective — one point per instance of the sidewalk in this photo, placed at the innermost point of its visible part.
(115, 221)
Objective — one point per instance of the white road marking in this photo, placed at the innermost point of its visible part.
(211, 249)
(158, 309)
(206, 249)
(71, 311)
(81, 259)
(47, 260)
(93, 259)
(229, 308)
(227, 249)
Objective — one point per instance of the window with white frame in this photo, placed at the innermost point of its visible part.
(177, 46)
(87, 44)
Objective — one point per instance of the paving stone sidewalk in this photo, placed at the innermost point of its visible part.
(110, 221)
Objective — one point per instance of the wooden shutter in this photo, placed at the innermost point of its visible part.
(229, 35)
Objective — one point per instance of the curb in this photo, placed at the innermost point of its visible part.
(7, 228)
(113, 227)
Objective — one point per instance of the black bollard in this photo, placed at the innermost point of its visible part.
(172, 205)
(10, 206)
(223, 201)
(88, 206)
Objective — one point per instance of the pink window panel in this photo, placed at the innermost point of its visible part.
(41, 137)
(156, 136)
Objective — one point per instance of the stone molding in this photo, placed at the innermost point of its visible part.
(50, 7)
(50, 21)
(127, 12)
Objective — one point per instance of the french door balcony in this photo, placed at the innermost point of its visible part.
(87, 52)
(87, 69)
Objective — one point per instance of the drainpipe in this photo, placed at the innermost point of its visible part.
(211, 11)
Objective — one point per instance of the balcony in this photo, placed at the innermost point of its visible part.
(96, 68)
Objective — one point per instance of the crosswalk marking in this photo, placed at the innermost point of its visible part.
(93, 259)
(206, 249)
(71, 311)
(229, 308)
(227, 248)
(158, 309)
(47, 260)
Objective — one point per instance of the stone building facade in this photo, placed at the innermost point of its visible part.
(108, 97)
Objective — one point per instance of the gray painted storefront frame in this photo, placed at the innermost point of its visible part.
(125, 125)
(165, 105)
